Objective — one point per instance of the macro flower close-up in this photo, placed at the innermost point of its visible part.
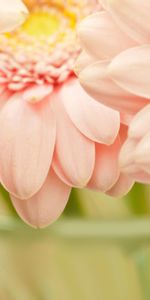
(50, 139)
(74, 149)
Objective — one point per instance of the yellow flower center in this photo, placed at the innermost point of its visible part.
(49, 23)
(47, 19)
(41, 24)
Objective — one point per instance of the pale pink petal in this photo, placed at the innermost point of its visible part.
(74, 153)
(45, 206)
(140, 124)
(27, 137)
(82, 62)
(56, 165)
(142, 177)
(12, 14)
(127, 156)
(101, 37)
(5, 94)
(132, 16)
(99, 85)
(131, 70)
(96, 121)
(36, 93)
(106, 170)
(123, 133)
(142, 153)
(122, 186)
(127, 153)
(134, 158)
(125, 118)
(3, 88)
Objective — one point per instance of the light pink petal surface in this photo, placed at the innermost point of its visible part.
(37, 93)
(134, 158)
(74, 153)
(127, 156)
(122, 186)
(5, 94)
(132, 16)
(131, 70)
(101, 37)
(142, 153)
(140, 124)
(142, 177)
(106, 170)
(12, 14)
(99, 85)
(45, 206)
(27, 137)
(125, 118)
(82, 62)
(96, 121)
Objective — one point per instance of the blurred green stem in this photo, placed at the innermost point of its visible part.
(133, 229)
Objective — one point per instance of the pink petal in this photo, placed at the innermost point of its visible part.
(83, 61)
(140, 124)
(106, 170)
(45, 206)
(12, 14)
(5, 94)
(101, 37)
(125, 118)
(98, 84)
(123, 133)
(96, 121)
(37, 93)
(27, 137)
(132, 16)
(142, 153)
(74, 153)
(56, 165)
(127, 157)
(122, 186)
(131, 70)
(142, 177)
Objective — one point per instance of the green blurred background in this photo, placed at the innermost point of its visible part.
(98, 250)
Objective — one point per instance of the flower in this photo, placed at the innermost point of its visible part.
(116, 69)
(134, 155)
(53, 136)
(12, 14)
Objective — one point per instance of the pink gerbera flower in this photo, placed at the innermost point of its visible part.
(52, 134)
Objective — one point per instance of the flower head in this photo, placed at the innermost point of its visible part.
(53, 136)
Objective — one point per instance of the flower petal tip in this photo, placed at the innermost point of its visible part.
(12, 15)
